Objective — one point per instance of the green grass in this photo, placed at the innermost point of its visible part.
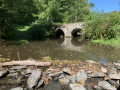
(112, 42)
(23, 28)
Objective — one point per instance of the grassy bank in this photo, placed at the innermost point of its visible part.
(112, 42)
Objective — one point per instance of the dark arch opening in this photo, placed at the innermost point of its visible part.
(59, 33)
(76, 32)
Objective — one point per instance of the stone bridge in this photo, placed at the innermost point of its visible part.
(70, 30)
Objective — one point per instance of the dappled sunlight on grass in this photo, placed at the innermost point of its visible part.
(24, 28)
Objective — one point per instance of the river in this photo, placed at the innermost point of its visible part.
(61, 49)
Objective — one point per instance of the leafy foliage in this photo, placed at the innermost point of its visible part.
(57, 11)
(103, 25)
(15, 12)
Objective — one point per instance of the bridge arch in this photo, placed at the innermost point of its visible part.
(70, 30)
(60, 33)
(76, 32)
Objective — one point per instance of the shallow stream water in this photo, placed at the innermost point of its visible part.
(67, 48)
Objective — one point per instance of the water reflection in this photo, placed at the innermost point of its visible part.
(67, 48)
(69, 44)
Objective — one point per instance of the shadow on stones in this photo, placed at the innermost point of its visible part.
(54, 85)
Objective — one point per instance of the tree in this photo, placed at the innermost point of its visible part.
(16, 12)
(63, 10)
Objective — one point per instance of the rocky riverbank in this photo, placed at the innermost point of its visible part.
(61, 75)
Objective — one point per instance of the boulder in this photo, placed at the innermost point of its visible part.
(34, 78)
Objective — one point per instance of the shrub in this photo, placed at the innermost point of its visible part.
(103, 25)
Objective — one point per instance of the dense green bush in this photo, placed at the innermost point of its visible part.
(103, 25)
(40, 31)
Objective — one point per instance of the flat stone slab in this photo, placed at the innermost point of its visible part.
(34, 78)
(40, 83)
(81, 76)
(97, 75)
(105, 85)
(114, 76)
(18, 67)
(3, 72)
(66, 70)
(18, 88)
(57, 74)
(65, 80)
(77, 87)
(73, 78)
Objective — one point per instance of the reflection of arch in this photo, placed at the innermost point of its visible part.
(67, 44)
(59, 33)
(60, 41)
(78, 41)
(76, 32)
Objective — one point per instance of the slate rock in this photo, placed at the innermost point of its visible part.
(18, 67)
(73, 78)
(89, 72)
(104, 70)
(77, 87)
(12, 71)
(28, 71)
(3, 73)
(34, 78)
(114, 76)
(97, 75)
(56, 74)
(106, 85)
(18, 88)
(61, 76)
(97, 88)
(113, 82)
(65, 80)
(90, 61)
(41, 82)
(81, 76)
(112, 71)
(14, 74)
(67, 70)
